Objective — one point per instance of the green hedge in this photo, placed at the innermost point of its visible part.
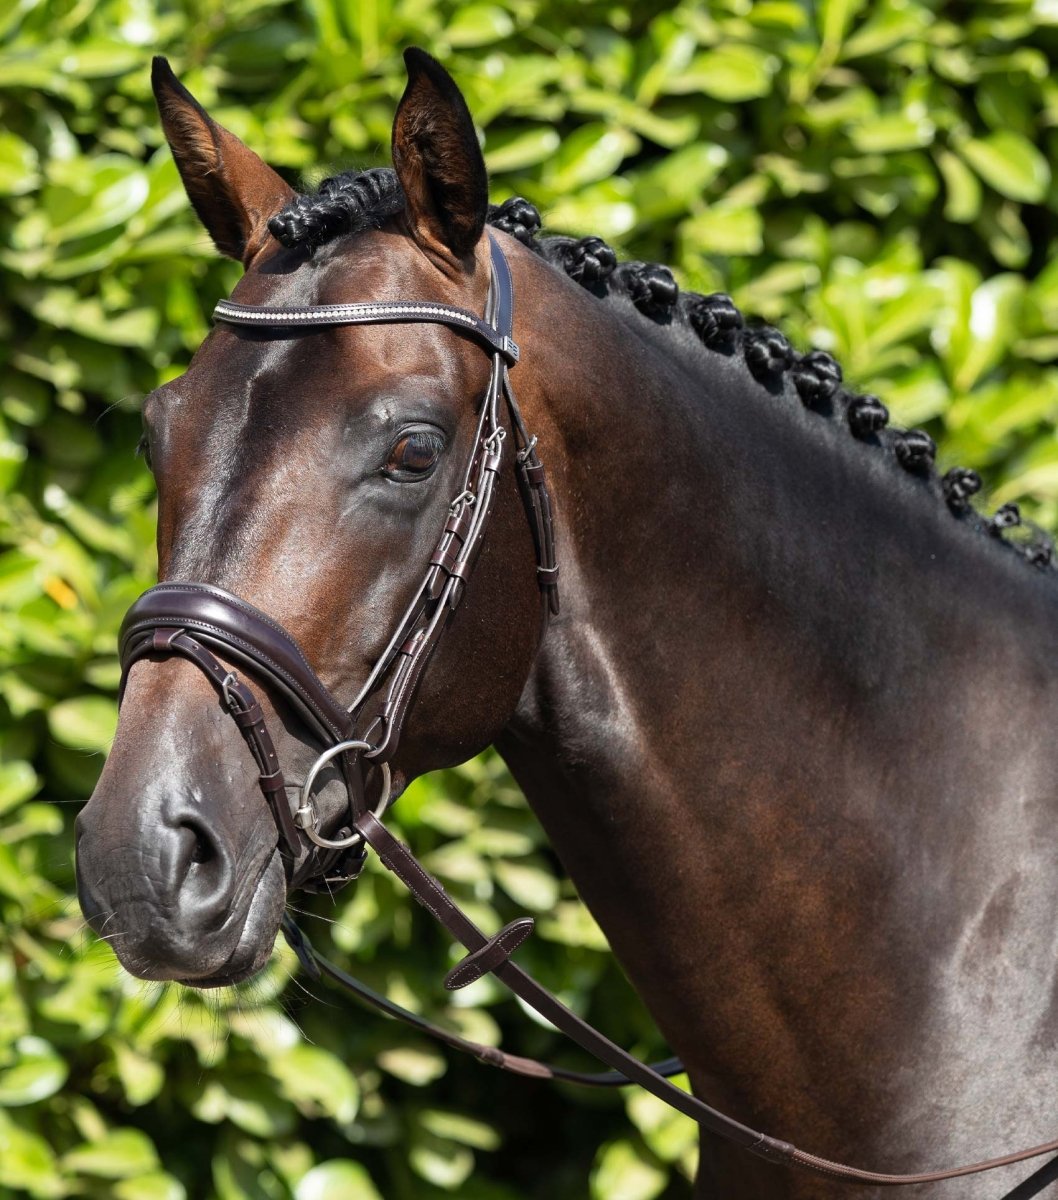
(874, 178)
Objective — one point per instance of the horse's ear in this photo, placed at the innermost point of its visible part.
(438, 160)
(232, 190)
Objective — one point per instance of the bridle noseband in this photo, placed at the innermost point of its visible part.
(195, 619)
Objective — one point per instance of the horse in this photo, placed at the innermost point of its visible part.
(789, 730)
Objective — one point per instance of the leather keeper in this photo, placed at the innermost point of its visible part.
(493, 954)
(446, 559)
(247, 718)
(459, 525)
(273, 784)
(534, 473)
(411, 645)
(547, 576)
(162, 639)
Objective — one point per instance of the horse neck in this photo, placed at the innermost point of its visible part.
(780, 665)
(722, 548)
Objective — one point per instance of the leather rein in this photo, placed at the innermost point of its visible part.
(192, 620)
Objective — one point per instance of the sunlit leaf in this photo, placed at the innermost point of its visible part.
(121, 1154)
(1010, 163)
(623, 1171)
(338, 1179)
(37, 1072)
(443, 1163)
(18, 781)
(316, 1082)
(418, 1065)
(84, 722)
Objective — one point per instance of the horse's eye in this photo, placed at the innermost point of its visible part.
(415, 455)
(143, 449)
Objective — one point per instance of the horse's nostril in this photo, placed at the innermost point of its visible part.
(203, 850)
(199, 845)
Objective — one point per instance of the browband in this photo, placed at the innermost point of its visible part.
(377, 313)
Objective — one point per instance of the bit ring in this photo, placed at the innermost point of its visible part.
(307, 819)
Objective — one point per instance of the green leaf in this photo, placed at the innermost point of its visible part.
(678, 181)
(249, 1104)
(28, 1162)
(457, 1127)
(725, 231)
(505, 151)
(23, 399)
(155, 1185)
(142, 1078)
(835, 17)
(979, 323)
(85, 722)
(317, 1082)
(478, 25)
(418, 1065)
(529, 884)
(37, 1072)
(624, 1171)
(591, 153)
(1010, 163)
(18, 165)
(731, 73)
(570, 924)
(98, 195)
(963, 190)
(603, 209)
(18, 782)
(893, 131)
(669, 1134)
(443, 1163)
(337, 1179)
(121, 1154)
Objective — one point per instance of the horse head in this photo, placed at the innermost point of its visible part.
(305, 476)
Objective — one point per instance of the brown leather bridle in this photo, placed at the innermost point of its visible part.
(189, 618)
(194, 619)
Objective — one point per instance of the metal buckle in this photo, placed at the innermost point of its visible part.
(230, 699)
(307, 819)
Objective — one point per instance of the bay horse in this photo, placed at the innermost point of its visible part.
(790, 731)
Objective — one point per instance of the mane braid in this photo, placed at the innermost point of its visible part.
(354, 201)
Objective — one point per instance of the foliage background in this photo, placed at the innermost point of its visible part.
(873, 177)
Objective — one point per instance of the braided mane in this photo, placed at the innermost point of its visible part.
(354, 201)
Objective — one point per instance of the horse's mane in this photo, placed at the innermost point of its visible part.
(354, 201)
